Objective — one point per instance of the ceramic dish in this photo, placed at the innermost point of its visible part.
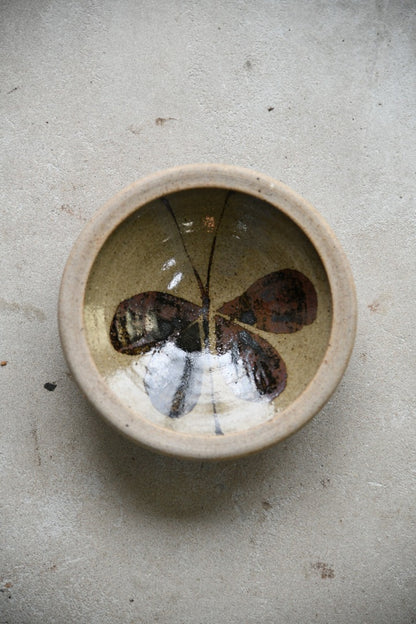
(207, 312)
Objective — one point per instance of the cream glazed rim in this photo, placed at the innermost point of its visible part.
(192, 445)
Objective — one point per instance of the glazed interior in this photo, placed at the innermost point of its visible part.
(207, 311)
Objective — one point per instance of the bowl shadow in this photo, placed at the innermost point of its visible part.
(166, 487)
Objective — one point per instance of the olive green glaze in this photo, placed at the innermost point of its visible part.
(146, 253)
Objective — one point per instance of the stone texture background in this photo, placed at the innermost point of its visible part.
(320, 94)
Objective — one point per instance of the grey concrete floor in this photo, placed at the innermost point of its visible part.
(320, 94)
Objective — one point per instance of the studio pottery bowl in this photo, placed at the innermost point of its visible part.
(207, 312)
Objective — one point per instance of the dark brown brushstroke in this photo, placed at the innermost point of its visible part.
(201, 287)
(149, 319)
(262, 363)
(214, 242)
(281, 302)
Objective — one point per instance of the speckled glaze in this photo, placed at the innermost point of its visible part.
(207, 312)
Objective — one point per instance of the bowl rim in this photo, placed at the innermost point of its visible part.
(190, 445)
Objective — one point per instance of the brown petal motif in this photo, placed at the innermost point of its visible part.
(150, 318)
(281, 302)
(256, 370)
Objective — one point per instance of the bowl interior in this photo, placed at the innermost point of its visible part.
(207, 311)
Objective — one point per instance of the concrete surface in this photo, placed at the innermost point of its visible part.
(320, 94)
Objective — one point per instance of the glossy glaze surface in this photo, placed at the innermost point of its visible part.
(207, 311)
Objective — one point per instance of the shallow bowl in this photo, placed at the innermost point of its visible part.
(207, 312)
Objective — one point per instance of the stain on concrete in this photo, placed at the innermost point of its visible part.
(66, 208)
(380, 305)
(266, 505)
(34, 433)
(31, 312)
(325, 570)
(160, 121)
(135, 129)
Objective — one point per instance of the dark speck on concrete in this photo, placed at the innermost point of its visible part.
(266, 505)
(373, 307)
(160, 121)
(270, 108)
(11, 90)
(131, 600)
(50, 386)
(324, 569)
